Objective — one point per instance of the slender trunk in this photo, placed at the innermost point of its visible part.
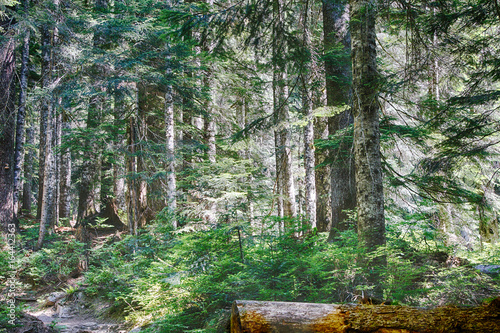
(88, 173)
(44, 109)
(48, 204)
(21, 115)
(170, 152)
(322, 179)
(309, 158)
(285, 183)
(49, 122)
(7, 116)
(369, 187)
(131, 181)
(209, 123)
(28, 170)
(65, 172)
(141, 131)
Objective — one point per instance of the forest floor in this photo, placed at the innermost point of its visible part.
(68, 310)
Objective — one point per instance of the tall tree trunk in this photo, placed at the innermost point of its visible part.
(29, 159)
(21, 114)
(285, 183)
(369, 187)
(48, 179)
(7, 116)
(48, 204)
(65, 173)
(131, 196)
(337, 43)
(209, 123)
(46, 78)
(170, 152)
(307, 106)
(322, 179)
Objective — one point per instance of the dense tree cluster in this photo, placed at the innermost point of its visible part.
(375, 116)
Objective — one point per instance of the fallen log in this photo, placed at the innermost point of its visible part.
(289, 317)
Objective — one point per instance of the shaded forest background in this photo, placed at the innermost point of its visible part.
(222, 142)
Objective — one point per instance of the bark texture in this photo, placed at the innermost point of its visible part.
(170, 152)
(337, 42)
(65, 173)
(285, 182)
(260, 317)
(369, 188)
(307, 106)
(323, 179)
(21, 115)
(7, 116)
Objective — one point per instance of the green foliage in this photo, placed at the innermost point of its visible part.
(55, 262)
(186, 280)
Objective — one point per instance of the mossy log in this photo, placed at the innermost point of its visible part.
(261, 317)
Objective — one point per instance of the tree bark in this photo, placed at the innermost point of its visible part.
(285, 182)
(21, 115)
(170, 152)
(369, 187)
(307, 106)
(131, 196)
(48, 139)
(7, 116)
(65, 173)
(253, 317)
(322, 179)
(28, 169)
(337, 42)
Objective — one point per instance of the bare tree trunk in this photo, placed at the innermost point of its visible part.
(21, 115)
(369, 187)
(46, 76)
(131, 196)
(322, 179)
(65, 173)
(7, 116)
(170, 152)
(309, 158)
(49, 120)
(28, 169)
(48, 204)
(285, 183)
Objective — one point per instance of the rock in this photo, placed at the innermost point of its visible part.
(493, 270)
(53, 298)
(63, 311)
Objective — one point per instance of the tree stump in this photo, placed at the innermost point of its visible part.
(290, 317)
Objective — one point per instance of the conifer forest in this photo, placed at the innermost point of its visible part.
(162, 159)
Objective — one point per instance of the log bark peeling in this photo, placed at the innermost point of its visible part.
(263, 317)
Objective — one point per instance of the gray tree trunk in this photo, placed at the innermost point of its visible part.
(29, 159)
(65, 173)
(285, 182)
(170, 152)
(307, 106)
(49, 119)
(44, 109)
(322, 179)
(21, 115)
(7, 116)
(369, 187)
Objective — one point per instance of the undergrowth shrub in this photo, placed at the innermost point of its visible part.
(185, 280)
